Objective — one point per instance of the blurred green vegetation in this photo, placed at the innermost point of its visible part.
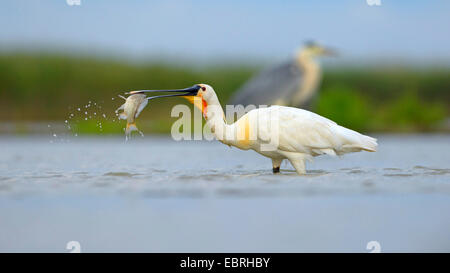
(345, 106)
(45, 87)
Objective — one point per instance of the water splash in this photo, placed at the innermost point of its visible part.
(91, 111)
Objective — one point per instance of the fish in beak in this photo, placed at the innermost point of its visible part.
(190, 93)
(132, 107)
(136, 102)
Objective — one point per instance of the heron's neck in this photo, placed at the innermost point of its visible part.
(307, 62)
(311, 78)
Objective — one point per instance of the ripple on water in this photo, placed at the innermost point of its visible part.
(87, 165)
(102, 184)
(439, 172)
(171, 193)
(356, 172)
(120, 174)
(5, 188)
(158, 171)
(205, 177)
(246, 192)
(398, 174)
(432, 171)
(46, 176)
(392, 169)
(314, 173)
(416, 170)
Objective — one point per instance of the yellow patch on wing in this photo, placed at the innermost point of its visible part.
(243, 131)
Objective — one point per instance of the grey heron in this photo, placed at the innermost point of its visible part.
(292, 83)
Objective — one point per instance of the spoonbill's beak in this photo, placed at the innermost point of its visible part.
(190, 91)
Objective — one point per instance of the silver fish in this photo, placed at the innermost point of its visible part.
(132, 107)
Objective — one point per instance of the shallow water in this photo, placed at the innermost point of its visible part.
(156, 194)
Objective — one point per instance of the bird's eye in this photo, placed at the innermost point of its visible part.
(203, 88)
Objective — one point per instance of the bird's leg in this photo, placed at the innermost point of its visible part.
(299, 165)
(298, 162)
(276, 163)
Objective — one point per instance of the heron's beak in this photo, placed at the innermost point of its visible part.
(329, 52)
(190, 91)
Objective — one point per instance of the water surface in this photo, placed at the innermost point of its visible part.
(156, 194)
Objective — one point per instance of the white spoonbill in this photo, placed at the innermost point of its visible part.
(300, 134)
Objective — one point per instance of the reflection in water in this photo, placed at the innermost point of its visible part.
(399, 174)
(119, 174)
(177, 168)
(197, 196)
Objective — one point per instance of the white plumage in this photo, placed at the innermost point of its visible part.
(306, 132)
(301, 134)
(277, 132)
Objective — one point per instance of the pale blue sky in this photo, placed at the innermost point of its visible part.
(411, 29)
